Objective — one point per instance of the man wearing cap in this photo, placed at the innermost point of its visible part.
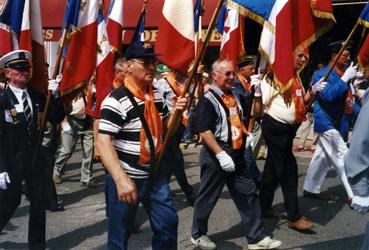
(132, 120)
(329, 107)
(222, 162)
(242, 88)
(19, 110)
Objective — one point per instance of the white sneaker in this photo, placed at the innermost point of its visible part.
(266, 243)
(204, 242)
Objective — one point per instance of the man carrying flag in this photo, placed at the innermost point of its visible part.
(133, 118)
(20, 106)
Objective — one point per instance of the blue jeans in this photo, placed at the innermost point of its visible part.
(187, 134)
(157, 201)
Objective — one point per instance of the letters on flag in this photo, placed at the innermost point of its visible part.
(175, 40)
(80, 61)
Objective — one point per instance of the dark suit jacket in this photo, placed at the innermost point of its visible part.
(17, 142)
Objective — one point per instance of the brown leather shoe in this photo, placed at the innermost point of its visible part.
(272, 214)
(302, 224)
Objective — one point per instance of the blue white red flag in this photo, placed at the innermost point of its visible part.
(104, 67)
(232, 47)
(139, 35)
(115, 25)
(21, 28)
(80, 61)
(364, 16)
(288, 25)
(175, 41)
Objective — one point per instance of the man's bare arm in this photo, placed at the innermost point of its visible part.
(210, 141)
(126, 188)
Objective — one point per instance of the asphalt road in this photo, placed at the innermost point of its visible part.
(83, 224)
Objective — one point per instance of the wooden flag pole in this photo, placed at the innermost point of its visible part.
(348, 39)
(174, 122)
(48, 98)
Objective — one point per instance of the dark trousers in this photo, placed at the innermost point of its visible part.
(11, 198)
(174, 161)
(241, 188)
(51, 197)
(252, 170)
(280, 167)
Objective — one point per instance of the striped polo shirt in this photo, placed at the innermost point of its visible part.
(119, 119)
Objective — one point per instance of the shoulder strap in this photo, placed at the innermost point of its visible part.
(144, 123)
(226, 110)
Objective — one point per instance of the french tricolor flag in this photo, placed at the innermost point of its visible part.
(21, 28)
(115, 25)
(80, 62)
(176, 41)
(231, 47)
(104, 65)
(288, 24)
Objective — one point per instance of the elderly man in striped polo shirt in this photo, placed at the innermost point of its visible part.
(131, 125)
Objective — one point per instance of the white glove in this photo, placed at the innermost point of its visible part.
(250, 140)
(225, 161)
(256, 82)
(53, 87)
(319, 86)
(66, 128)
(350, 73)
(4, 180)
(360, 204)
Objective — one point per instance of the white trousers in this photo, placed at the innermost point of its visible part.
(329, 151)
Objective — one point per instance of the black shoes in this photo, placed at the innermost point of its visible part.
(319, 196)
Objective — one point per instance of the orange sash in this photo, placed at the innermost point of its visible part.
(237, 127)
(178, 92)
(245, 83)
(152, 118)
(298, 95)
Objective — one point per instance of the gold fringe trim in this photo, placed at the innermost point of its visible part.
(246, 12)
(363, 22)
(74, 88)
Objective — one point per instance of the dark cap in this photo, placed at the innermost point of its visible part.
(335, 47)
(17, 59)
(140, 50)
(245, 61)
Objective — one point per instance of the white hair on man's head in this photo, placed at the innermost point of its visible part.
(218, 63)
(119, 64)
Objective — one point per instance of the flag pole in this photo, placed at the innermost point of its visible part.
(326, 75)
(174, 122)
(48, 98)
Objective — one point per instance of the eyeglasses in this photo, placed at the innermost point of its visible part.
(228, 73)
(146, 61)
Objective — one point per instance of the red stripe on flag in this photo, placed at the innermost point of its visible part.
(80, 62)
(104, 77)
(39, 76)
(114, 30)
(363, 56)
(176, 52)
(6, 44)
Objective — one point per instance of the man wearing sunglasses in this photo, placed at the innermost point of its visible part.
(222, 162)
(132, 120)
(19, 114)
